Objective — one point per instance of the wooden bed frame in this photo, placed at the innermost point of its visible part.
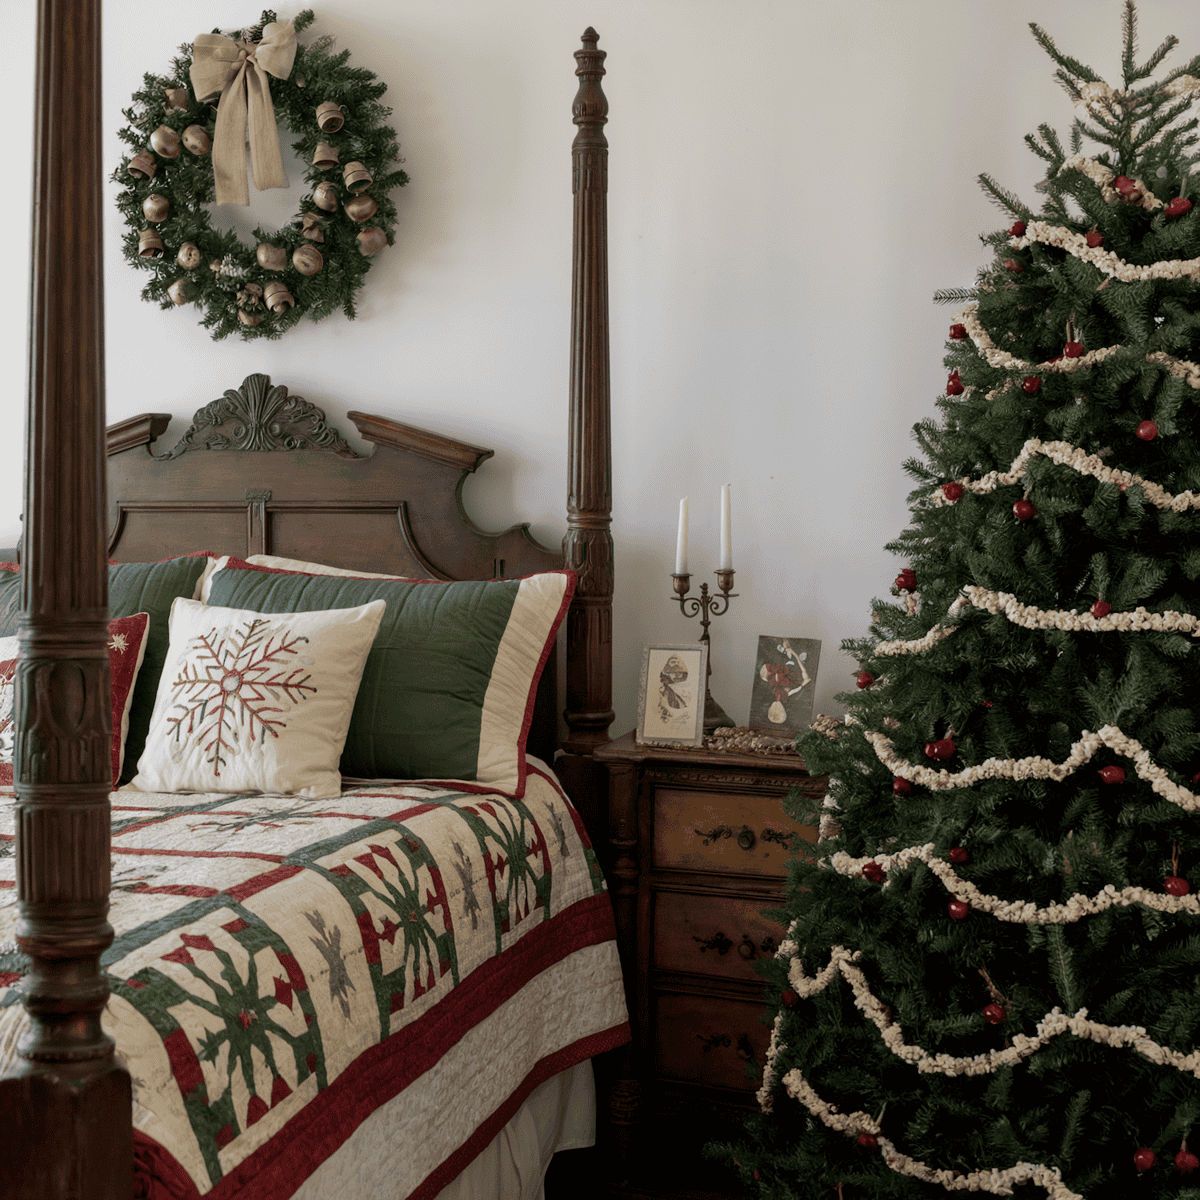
(259, 471)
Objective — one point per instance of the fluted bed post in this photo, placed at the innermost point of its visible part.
(66, 1115)
(588, 545)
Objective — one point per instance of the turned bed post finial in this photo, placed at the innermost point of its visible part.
(588, 545)
(67, 1112)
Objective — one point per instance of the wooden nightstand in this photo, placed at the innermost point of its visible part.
(702, 846)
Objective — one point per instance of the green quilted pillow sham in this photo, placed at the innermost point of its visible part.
(132, 588)
(448, 689)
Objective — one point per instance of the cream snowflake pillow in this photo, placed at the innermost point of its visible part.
(256, 702)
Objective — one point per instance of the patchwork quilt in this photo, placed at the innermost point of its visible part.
(283, 967)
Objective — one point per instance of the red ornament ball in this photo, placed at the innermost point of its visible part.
(1072, 350)
(952, 491)
(1112, 774)
(1123, 184)
(873, 871)
(906, 581)
(868, 1141)
(958, 909)
(1031, 384)
(1018, 229)
(788, 998)
(1178, 206)
(864, 679)
(959, 855)
(954, 385)
(1023, 510)
(1186, 1162)
(995, 1014)
(1101, 609)
(940, 750)
(1094, 238)
(958, 332)
(1011, 264)
(1144, 1158)
(901, 786)
(1176, 885)
(1196, 777)
(1147, 431)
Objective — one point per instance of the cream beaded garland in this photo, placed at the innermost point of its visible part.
(1000, 1183)
(1102, 177)
(1111, 264)
(1067, 455)
(1017, 912)
(1036, 767)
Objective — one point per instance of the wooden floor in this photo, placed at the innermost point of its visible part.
(670, 1172)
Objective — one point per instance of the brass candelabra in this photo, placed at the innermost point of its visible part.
(707, 605)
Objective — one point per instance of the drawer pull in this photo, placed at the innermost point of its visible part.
(746, 838)
(718, 942)
(744, 1049)
(715, 1039)
(720, 831)
(746, 948)
(768, 945)
(778, 835)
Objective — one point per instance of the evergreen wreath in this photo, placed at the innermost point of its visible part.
(168, 229)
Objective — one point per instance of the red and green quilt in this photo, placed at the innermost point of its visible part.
(283, 967)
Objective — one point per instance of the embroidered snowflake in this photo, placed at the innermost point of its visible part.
(119, 642)
(235, 688)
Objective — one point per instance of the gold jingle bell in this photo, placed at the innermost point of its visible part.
(177, 292)
(165, 142)
(311, 227)
(325, 157)
(189, 256)
(142, 165)
(361, 208)
(330, 116)
(307, 260)
(276, 296)
(156, 207)
(176, 97)
(371, 241)
(250, 319)
(356, 177)
(150, 245)
(196, 140)
(325, 196)
(271, 258)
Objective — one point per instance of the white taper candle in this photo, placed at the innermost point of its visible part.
(726, 560)
(681, 542)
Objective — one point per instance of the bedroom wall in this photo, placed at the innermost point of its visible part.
(790, 181)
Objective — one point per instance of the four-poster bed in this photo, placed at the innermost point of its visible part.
(259, 472)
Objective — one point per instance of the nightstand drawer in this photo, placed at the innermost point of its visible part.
(708, 1040)
(745, 834)
(713, 935)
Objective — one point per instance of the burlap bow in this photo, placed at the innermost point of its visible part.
(239, 70)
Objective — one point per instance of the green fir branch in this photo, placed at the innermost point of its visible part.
(1074, 68)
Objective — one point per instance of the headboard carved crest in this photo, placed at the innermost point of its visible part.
(257, 416)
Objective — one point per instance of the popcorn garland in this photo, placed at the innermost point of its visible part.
(1067, 455)
(995, 357)
(1111, 264)
(1029, 616)
(999, 1183)
(1019, 912)
(1036, 767)
(1102, 177)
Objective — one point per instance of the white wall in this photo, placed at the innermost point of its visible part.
(790, 180)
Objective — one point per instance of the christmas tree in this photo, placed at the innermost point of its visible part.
(991, 977)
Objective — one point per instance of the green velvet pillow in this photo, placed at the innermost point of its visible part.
(447, 693)
(132, 588)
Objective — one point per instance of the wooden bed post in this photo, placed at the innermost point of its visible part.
(588, 545)
(67, 1114)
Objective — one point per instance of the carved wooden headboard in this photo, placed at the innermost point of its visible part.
(260, 471)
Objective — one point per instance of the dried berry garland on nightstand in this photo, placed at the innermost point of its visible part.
(187, 135)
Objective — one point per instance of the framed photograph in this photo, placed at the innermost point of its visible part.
(671, 695)
(785, 678)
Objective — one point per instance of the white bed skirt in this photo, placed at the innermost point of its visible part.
(559, 1114)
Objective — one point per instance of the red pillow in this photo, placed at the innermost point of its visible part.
(126, 648)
